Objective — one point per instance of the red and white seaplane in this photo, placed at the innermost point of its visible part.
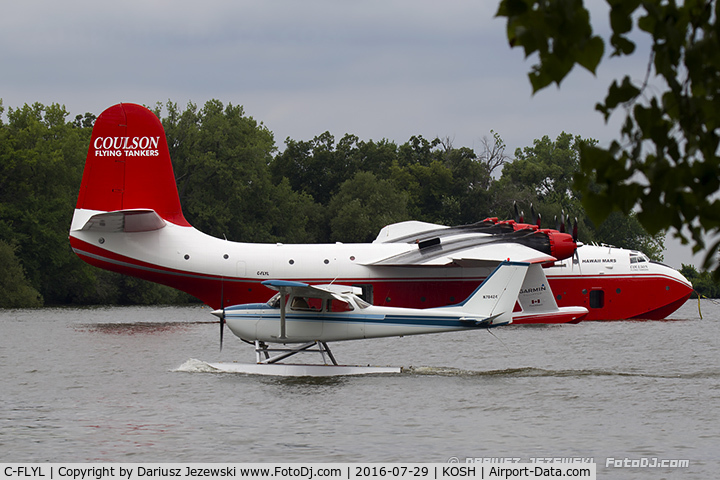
(128, 219)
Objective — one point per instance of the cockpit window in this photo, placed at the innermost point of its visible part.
(309, 304)
(637, 257)
(306, 304)
(361, 303)
(335, 305)
(274, 302)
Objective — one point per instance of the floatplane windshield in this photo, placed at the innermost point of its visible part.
(128, 219)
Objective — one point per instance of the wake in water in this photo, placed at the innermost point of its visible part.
(541, 372)
(136, 328)
(198, 366)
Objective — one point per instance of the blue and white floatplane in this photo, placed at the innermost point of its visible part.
(304, 318)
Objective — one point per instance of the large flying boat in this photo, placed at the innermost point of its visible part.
(128, 219)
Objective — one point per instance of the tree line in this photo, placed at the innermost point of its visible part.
(234, 182)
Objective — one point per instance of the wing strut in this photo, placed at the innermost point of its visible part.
(283, 293)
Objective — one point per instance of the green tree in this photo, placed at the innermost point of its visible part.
(625, 231)
(428, 188)
(15, 291)
(41, 161)
(419, 170)
(666, 160)
(704, 283)
(542, 175)
(363, 205)
(221, 157)
(375, 157)
(547, 169)
(469, 198)
(317, 167)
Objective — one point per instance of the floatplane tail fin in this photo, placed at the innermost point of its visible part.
(493, 301)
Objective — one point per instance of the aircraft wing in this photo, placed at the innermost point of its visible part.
(402, 230)
(481, 256)
(428, 244)
(485, 255)
(306, 290)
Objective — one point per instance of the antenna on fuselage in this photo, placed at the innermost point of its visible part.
(336, 276)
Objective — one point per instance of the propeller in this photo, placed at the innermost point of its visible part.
(536, 216)
(576, 256)
(560, 224)
(518, 214)
(575, 231)
(220, 313)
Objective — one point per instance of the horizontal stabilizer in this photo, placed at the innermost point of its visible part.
(480, 322)
(128, 221)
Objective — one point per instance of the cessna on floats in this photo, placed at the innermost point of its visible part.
(303, 318)
(128, 219)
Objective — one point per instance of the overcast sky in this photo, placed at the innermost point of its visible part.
(376, 69)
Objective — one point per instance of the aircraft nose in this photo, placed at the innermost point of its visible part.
(220, 313)
(681, 279)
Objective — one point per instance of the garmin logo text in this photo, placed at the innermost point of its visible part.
(541, 288)
(126, 146)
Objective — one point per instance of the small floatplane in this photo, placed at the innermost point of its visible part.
(302, 318)
(128, 219)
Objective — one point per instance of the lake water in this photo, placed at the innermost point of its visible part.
(127, 384)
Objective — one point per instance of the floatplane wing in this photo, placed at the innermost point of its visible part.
(300, 289)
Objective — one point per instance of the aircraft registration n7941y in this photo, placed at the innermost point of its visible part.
(128, 219)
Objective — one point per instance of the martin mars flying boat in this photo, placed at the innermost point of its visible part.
(128, 219)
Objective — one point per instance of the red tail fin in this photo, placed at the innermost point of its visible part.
(128, 165)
